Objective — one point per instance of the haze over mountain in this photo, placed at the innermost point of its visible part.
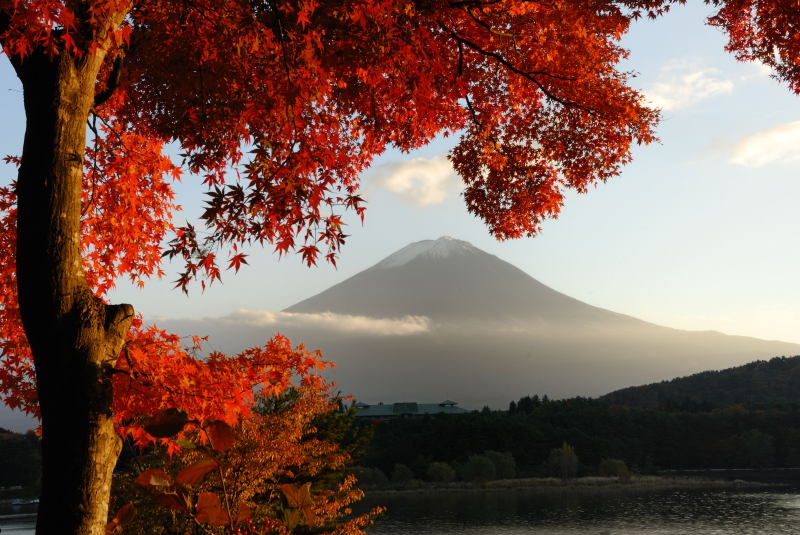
(441, 319)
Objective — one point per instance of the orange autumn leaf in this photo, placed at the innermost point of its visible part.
(209, 510)
(195, 472)
(292, 518)
(765, 32)
(166, 423)
(171, 501)
(153, 478)
(297, 496)
(243, 513)
(125, 514)
(123, 517)
(220, 434)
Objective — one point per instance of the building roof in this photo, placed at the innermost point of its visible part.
(407, 408)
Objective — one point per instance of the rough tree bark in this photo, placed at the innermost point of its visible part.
(75, 338)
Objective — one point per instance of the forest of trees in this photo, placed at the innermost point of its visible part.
(20, 462)
(645, 439)
(742, 417)
(449, 447)
(758, 383)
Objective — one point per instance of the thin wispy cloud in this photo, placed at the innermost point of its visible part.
(402, 326)
(421, 181)
(683, 83)
(780, 143)
(760, 69)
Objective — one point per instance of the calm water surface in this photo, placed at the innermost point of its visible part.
(526, 512)
(17, 519)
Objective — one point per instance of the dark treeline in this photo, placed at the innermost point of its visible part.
(742, 417)
(759, 383)
(646, 439)
(20, 460)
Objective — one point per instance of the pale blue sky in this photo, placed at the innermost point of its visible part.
(700, 232)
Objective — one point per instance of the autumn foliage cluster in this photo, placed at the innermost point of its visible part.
(275, 472)
(277, 107)
(157, 370)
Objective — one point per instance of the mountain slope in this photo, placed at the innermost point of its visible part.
(485, 333)
(776, 381)
(449, 278)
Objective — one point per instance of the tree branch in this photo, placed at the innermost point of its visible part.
(474, 115)
(5, 26)
(485, 25)
(529, 75)
(5, 21)
(112, 84)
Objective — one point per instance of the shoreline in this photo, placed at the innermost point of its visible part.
(581, 484)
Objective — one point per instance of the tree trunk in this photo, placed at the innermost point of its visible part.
(75, 338)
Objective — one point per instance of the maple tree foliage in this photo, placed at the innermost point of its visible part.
(157, 370)
(301, 95)
(276, 106)
(279, 105)
(274, 472)
(763, 31)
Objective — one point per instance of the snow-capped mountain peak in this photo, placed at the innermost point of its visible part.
(444, 247)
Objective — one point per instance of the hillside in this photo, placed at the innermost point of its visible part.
(450, 278)
(441, 319)
(759, 383)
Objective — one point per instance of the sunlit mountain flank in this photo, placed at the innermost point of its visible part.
(441, 319)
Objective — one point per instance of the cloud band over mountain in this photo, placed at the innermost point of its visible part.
(348, 323)
(441, 319)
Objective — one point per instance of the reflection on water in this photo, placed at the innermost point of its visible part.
(17, 519)
(531, 512)
(526, 512)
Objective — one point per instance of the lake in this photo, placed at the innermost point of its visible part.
(17, 519)
(607, 512)
(531, 512)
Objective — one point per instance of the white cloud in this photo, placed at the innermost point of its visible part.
(402, 326)
(760, 68)
(683, 83)
(780, 143)
(422, 181)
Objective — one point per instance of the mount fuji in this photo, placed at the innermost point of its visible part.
(450, 279)
(441, 319)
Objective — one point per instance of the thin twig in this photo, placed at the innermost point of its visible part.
(529, 75)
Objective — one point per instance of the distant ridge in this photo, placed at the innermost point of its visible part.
(450, 278)
(484, 332)
(776, 381)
